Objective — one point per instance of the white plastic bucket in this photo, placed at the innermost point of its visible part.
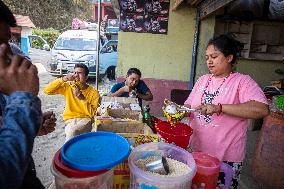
(140, 179)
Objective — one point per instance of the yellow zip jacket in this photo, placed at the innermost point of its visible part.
(75, 108)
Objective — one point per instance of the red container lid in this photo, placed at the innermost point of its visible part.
(206, 164)
(70, 172)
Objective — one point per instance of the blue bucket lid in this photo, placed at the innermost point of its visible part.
(95, 151)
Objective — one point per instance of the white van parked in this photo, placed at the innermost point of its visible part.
(72, 47)
(80, 46)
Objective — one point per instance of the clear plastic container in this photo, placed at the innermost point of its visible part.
(102, 181)
(140, 179)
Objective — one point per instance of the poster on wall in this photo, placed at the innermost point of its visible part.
(131, 22)
(131, 6)
(160, 7)
(155, 24)
(144, 16)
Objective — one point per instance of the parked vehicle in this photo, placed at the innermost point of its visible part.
(108, 59)
(80, 46)
(37, 52)
(43, 45)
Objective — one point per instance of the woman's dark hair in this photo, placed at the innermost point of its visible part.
(84, 67)
(228, 45)
(134, 70)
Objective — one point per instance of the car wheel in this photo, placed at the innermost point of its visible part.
(111, 73)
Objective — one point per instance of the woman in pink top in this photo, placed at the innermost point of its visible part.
(226, 100)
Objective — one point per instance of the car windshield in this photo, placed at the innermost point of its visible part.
(76, 44)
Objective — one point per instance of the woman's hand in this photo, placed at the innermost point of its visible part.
(209, 109)
(249, 110)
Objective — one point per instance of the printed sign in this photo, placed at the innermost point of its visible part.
(144, 16)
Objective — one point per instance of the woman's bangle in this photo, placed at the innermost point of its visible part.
(220, 109)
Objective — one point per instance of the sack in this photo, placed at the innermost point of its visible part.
(267, 165)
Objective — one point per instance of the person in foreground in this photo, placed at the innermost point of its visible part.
(21, 120)
(8, 20)
(81, 100)
(132, 84)
(227, 100)
(19, 112)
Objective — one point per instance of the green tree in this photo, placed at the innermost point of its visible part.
(57, 14)
(50, 35)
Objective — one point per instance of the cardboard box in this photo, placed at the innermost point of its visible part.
(121, 107)
(126, 114)
(135, 132)
(136, 139)
(124, 100)
(121, 178)
(117, 125)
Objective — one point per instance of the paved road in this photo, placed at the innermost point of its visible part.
(46, 146)
(41, 58)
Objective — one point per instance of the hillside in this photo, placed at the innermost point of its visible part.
(57, 14)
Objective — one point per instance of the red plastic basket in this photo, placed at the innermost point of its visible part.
(179, 135)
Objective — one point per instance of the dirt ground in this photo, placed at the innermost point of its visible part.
(46, 146)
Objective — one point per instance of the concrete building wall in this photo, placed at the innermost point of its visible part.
(261, 71)
(164, 60)
(159, 56)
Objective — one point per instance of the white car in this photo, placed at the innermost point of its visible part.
(80, 46)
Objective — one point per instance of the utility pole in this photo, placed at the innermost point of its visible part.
(98, 44)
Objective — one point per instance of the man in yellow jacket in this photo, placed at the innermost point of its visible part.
(81, 100)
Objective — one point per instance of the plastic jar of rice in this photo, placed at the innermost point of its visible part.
(182, 167)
